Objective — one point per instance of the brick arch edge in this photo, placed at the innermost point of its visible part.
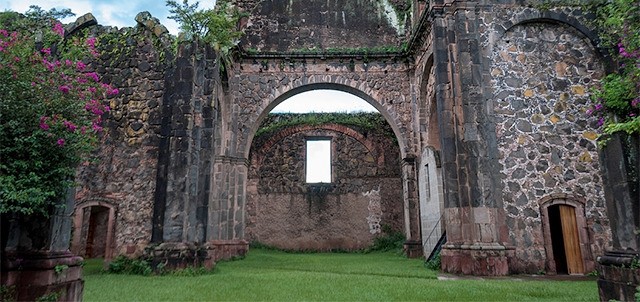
(316, 82)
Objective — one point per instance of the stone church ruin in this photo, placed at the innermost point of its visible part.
(485, 105)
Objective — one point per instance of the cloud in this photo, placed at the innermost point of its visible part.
(120, 13)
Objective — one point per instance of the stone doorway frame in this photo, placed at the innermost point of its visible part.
(78, 220)
(583, 235)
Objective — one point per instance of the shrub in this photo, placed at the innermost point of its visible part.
(390, 240)
(51, 108)
(131, 266)
(434, 263)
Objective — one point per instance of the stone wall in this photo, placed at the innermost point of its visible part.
(365, 194)
(124, 171)
(316, 25)
(542, 74)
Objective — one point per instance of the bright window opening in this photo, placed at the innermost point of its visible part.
(318, 161)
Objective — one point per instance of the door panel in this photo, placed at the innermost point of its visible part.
(571, 239)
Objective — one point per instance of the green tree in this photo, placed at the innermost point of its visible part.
(617, 100)
(217, 27)
(51, 108)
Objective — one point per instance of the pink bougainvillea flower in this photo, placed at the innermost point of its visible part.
(58, 29)
(60, 142)
(70, 125)
(91, 42)
(80, 66)
(43, 123)
(64, 89)
(93, 75)
(46, 51)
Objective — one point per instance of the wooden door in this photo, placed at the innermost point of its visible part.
(571, 240)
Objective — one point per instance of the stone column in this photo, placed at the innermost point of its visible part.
(618, 269)
(474, 217)
(413, 245)
(185, 159)
(36, 261)
(226, 218)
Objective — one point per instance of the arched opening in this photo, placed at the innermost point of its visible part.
(361, 200)
(94, 224)
(565, 236)
(96, 231)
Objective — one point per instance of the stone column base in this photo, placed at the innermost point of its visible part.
(617, 280)
(413, 249)
(229, 249)
(477, 259)
(180, 255)
(29, 276)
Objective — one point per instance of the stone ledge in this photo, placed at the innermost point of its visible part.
(180, 255)
(488, 261)
(482, 246)
(34, 275)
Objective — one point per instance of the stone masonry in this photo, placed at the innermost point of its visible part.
(286, 212)
(486, 100)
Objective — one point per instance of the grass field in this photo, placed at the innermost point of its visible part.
(279, 276)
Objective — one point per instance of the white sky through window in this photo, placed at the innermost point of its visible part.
(318, 161)
(323, 100)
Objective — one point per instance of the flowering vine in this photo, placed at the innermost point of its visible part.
(617, 100)
(51, 112)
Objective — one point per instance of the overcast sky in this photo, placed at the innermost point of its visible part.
(122, 13)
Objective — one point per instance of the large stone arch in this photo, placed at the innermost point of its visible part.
(383, 84)
(315, 82)
(365, 192)
(573, 18)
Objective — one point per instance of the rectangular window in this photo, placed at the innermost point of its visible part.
(318, 161)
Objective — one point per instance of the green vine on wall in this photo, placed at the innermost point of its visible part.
(364, 121)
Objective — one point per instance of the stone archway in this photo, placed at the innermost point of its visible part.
(94, 229)
(389, 112)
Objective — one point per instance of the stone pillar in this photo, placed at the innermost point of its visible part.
(474, 218)
(226, 218)
(413, 245)
(186, 154)
(36, 261)
(619, 274)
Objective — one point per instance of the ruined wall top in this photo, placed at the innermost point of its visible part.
(320, 25)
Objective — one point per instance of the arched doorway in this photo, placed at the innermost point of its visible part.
(94, 224)
(565, 236)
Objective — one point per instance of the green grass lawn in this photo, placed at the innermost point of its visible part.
(274, 275)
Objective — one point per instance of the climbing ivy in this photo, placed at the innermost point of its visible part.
(364, 121)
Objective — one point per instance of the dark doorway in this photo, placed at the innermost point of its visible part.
(564, 240)
(97, 232)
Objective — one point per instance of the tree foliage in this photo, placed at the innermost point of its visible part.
(617, 100)
(216, 27)
(51, 107)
